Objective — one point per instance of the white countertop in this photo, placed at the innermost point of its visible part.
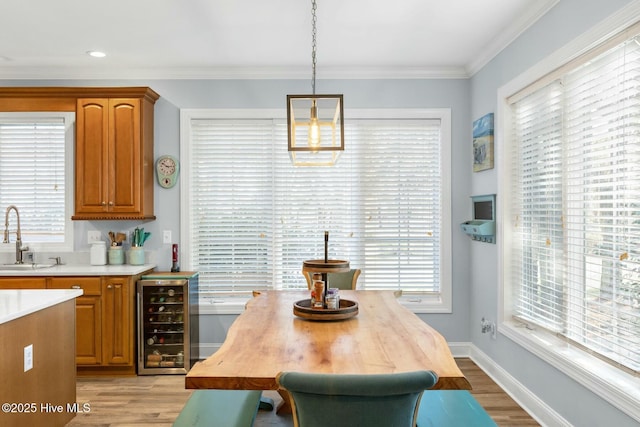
(81, 270)
(19, 303)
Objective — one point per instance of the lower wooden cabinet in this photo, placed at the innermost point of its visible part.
(88, 316)
(105, 319)
(23, 283)
(117, 305)
(104, 322)
(88, 331)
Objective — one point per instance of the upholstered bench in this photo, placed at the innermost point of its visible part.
(451, 408)
(220, 408)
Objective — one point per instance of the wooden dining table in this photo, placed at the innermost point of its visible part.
(267, 338)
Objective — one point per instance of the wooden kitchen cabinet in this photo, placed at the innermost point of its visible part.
(88, 316)
(117, 303)
(114, 156)
(104, 323)
(23, 283)
(88, 331)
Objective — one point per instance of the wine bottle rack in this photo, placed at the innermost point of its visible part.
(163, 326)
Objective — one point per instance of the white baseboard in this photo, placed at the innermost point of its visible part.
(207, 349)
(460, 349)
(538, 410)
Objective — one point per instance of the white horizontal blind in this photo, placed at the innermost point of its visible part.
(256, 217)
(32, 176)
(577, 175)
(401, 204)
(307, 202)
(232, 203)
(538, 250)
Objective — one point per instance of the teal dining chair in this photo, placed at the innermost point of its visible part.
(343, 281)
(341, 400)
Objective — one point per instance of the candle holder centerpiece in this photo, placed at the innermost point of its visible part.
(316, 308)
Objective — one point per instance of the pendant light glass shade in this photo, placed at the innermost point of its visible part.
(315, 128)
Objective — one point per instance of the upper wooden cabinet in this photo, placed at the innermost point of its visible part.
(114, 158)
(114, 145)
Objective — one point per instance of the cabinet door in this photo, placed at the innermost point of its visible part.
(92, 156)
(125, 156)
(88, 331)
(23, 283)
(114, 158)
(117, 310)
(88, 316)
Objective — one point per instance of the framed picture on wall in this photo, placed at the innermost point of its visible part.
(483, 143)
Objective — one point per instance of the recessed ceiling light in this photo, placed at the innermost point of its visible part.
(96, 54)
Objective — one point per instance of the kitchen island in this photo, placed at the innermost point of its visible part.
(37, 367)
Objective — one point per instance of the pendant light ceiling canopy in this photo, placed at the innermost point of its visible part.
(315, 123)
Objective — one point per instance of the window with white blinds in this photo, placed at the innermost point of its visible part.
(34, 176)
(253, 217)
(575, 204)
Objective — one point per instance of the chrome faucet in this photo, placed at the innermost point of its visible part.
(19, 248)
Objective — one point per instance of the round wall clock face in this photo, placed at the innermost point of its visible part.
(167, 168)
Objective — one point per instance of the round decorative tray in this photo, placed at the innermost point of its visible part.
(328, 266)
(346, 310)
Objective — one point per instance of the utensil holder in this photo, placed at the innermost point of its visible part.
(116, 255)
(136, 255)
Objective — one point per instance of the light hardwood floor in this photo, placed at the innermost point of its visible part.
(146, 401)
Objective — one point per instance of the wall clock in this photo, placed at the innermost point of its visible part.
(167, 168)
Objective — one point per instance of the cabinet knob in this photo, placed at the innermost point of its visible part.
(76, 287)
(109, 286)
(104, 203)
(110, 203)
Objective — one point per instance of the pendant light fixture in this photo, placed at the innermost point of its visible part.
(315, 123)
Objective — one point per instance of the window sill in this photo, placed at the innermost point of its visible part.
(421, 304)
(619, 388)
(222, 304)
(235, 304)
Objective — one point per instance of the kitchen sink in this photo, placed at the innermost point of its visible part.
(23, 267)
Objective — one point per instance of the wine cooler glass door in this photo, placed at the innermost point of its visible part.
(163, 327)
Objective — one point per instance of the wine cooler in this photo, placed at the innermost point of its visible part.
(167, 323)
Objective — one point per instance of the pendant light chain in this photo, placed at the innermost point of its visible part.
(313, 45)
(315, 123)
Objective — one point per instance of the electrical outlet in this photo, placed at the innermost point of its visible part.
(28, 357)
(166, 236)
(488, 326)
(94, 236)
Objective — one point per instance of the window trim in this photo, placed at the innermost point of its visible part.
(69, 121)
(616, 386)
(417, 303)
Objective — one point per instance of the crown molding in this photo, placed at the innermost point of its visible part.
(510, 34)
(229, 73)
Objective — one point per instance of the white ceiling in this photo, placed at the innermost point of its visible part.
(256, 38)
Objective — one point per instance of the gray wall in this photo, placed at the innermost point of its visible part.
(563, 23)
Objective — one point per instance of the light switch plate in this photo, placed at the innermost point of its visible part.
(166, 236)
